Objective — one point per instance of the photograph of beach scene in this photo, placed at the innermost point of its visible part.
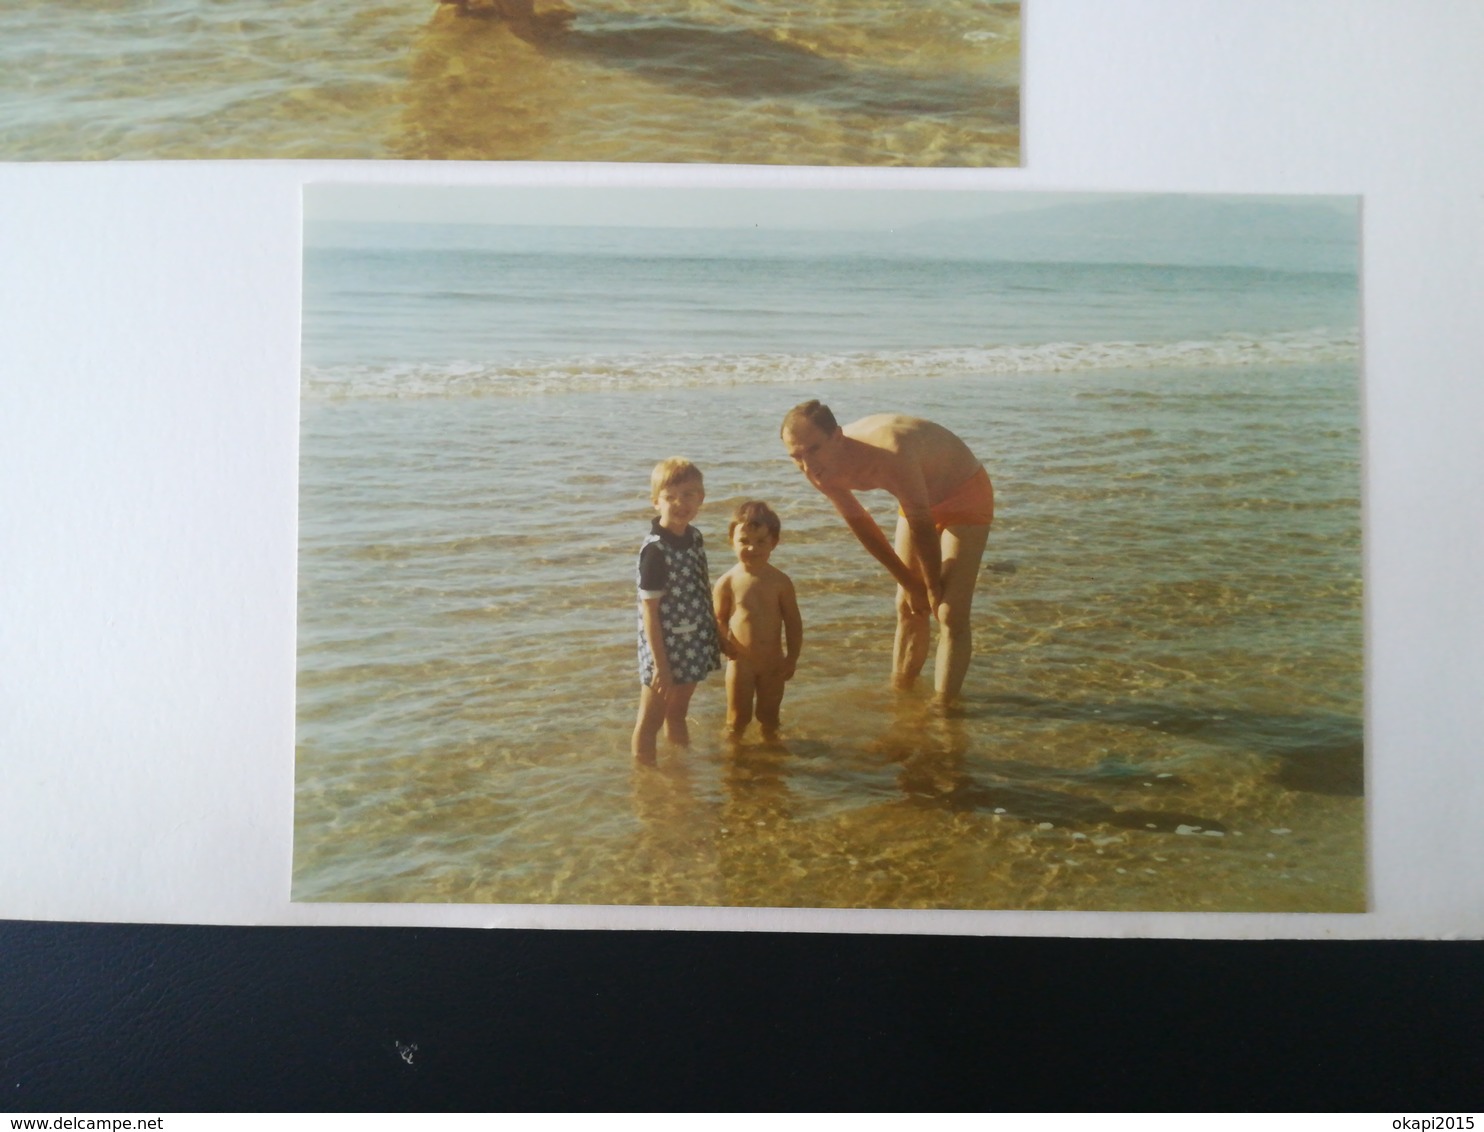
(833, 82)
(1164, 706)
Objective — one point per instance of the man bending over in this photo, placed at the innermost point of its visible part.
(945, 504)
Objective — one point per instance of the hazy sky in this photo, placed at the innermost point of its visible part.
(697, 207)
(663, 208)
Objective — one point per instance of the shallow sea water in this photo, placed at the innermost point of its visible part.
(744, 81)
(1164, 712)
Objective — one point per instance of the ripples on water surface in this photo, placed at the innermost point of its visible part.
(1164, 712)
(749, 81)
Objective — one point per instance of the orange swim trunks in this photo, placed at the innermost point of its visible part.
(972, 502)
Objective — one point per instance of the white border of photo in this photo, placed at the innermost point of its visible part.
(149, 315)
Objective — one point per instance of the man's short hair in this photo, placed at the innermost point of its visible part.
(817, 413)
(668, 473)
(755, 511)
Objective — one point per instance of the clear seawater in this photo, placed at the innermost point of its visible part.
(831, 82)
(1165, 708)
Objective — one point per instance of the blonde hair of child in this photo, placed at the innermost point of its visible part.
(668, 473)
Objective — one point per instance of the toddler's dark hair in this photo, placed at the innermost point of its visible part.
(755, 511)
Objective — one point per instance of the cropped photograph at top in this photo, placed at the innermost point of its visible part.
(831, 82)
(830, 549)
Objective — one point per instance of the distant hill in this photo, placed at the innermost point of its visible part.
(1276, 233)
(1286, 234)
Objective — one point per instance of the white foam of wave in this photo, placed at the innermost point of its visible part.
(661, 371)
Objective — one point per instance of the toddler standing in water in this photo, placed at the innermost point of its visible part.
(757, 615)
(678, 643)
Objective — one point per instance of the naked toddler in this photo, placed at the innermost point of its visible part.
(757, 616)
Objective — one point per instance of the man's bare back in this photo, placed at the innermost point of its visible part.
(919, 462)
(946, 505)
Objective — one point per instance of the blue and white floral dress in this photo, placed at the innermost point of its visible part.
(675, 571)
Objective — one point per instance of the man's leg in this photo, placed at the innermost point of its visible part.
(909, 652)
(963, 548)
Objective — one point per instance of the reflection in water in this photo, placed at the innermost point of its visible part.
(1318, 752)
(485, 82)
(755, 846)
(675, 849)
(934, 773)
(475, 90)
(764, 842)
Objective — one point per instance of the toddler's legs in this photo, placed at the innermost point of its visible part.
(740, 683)
(770, 687)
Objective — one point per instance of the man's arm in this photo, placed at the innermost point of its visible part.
(793, 627)
(859, 520)
(929, 556)
(912, 496)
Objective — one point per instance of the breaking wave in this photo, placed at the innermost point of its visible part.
(588, 373)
